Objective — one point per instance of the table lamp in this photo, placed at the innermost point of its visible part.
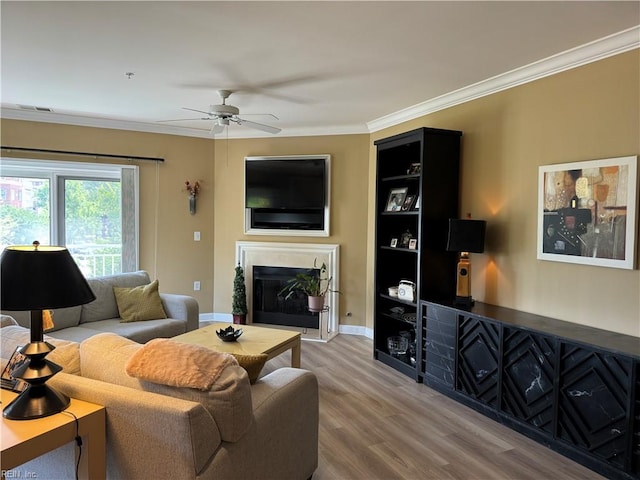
(465, 236)
(37, 278)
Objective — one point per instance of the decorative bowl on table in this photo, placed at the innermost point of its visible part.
(229, 334)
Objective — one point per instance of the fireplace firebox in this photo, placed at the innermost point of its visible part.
(271, 308)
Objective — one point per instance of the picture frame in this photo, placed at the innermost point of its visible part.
(405, 238)
(587, 212)
(414, 169)
(396, 199)
(413, 244)
(408, 203)
(394, 243)
(8, 381)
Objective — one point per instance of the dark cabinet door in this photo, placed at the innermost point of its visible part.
(594, 402)
(528, 366)
(439, 345)
(478, 358)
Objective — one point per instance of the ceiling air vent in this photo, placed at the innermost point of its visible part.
(35, 109)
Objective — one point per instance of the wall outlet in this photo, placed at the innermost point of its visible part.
(196, 236)
(196, 286)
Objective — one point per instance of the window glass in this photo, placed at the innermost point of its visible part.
(24, 211)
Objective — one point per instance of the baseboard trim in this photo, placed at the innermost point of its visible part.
(356, 330)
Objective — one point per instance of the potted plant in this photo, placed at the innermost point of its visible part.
(239, 306)
(312, 283)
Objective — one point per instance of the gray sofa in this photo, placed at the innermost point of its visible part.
(101, 315)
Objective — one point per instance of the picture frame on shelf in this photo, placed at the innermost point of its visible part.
(408, 203)
(396, 199)
(405, 238)
(413, 244)
(394, 243)
(587, 212)
(414, 169)
(416, 204)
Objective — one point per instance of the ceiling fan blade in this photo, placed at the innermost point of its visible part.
(257, 126)
(182, 119)
(262, 114)
(194, 110)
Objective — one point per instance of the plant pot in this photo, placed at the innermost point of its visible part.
(316, 304)
(240, 319)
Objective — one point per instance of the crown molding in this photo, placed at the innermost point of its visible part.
(82, 121)
(611, 45)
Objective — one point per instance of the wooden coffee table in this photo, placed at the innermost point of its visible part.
(254, 340)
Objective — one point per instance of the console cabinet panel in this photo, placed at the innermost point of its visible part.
(528, 377)
(593, 408)
(479, 359)
(439, 344)
(571, 387)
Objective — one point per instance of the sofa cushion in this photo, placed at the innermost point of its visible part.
(105, 306)
(6, 320)
(253, 364)
(139, 303)
(66, 354)
(105, 356)
(140, 332)
(62, 318)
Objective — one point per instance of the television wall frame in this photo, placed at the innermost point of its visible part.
(325, 232)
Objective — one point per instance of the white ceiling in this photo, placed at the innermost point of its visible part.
(320, 67)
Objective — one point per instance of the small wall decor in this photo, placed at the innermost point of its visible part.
(192, 189)
(587, 212)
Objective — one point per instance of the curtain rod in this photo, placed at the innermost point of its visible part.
(83, 154)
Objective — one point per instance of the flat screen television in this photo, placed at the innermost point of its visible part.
(289, 183)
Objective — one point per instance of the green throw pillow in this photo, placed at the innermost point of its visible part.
(139, 303)
(252, 364)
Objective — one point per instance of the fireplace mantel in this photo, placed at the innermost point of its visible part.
(296, 255)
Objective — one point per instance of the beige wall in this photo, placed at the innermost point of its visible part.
(167, 249)
(349, 191)
(587, 113)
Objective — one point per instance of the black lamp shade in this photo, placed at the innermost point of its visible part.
(41, 278)
(466, 235)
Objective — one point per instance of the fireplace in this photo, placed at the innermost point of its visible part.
(272, 308)
(263, 305)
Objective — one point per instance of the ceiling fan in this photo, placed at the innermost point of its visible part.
(224, 114)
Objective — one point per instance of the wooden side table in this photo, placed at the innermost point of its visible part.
(24, 440)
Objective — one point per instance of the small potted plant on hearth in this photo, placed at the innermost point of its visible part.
(239, 307)
(312, 283)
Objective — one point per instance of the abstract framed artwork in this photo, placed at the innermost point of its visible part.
(587, 212)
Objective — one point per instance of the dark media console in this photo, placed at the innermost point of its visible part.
(573, 388)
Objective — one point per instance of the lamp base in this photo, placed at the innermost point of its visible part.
(36, 401)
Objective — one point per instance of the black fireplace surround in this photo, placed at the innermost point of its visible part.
(271, 308)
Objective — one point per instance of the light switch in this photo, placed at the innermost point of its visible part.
(196, 236)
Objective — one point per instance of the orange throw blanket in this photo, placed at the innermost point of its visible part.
(168, 362)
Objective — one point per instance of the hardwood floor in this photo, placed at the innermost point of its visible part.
(375, 423)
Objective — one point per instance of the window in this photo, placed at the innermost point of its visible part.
(79, 205)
